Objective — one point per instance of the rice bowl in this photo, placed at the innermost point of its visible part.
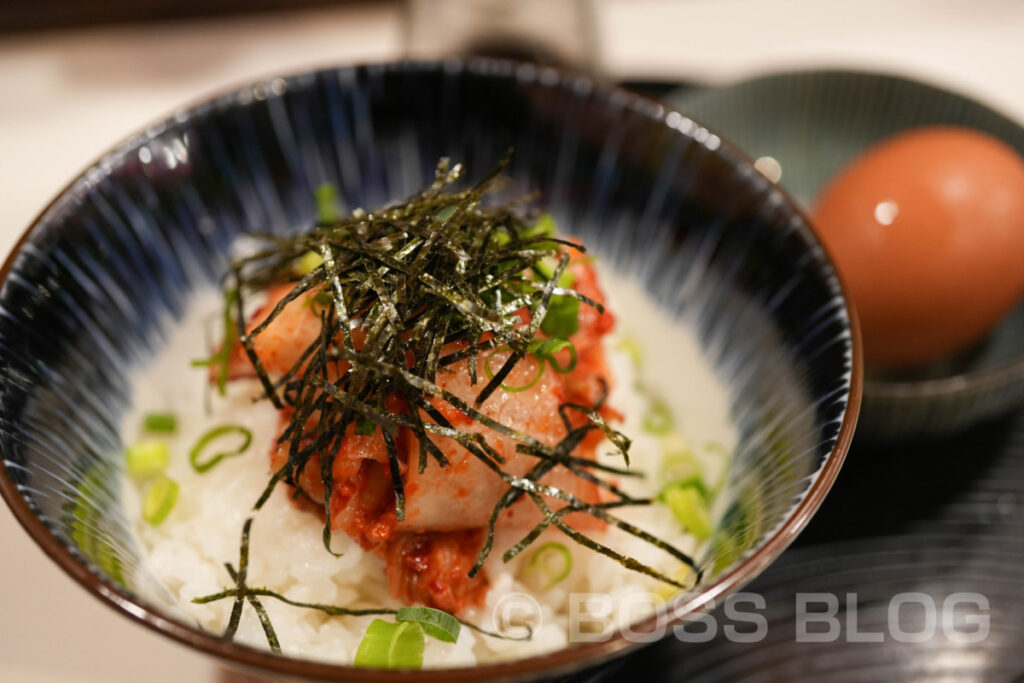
(765, 305)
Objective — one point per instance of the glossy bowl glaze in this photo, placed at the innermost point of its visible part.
(812, 123)
(92, 289)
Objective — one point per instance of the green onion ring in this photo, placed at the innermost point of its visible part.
(148, 457)
(216, 432)
(689, 509)
(391, 646)
(490, 373)
(159, 500)
(165, 423)
(436, 623)
(539, 563)
(658, 418)
(549, 347)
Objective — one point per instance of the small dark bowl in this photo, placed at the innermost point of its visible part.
(814, 122)
(93, 286)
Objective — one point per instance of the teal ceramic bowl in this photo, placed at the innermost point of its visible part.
(812, 123)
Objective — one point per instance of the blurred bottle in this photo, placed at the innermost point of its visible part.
(560, 32)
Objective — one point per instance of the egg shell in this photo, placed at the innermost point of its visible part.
(927, 231)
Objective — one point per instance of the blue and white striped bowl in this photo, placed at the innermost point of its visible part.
(88, 292)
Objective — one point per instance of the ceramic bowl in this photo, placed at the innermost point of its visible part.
(811, 124)
(94, 286)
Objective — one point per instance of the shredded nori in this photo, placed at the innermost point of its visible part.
(438, 271)
(243, 592)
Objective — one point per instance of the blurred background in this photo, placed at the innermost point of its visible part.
(77, 76)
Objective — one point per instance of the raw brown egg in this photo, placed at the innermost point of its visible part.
(927, 231)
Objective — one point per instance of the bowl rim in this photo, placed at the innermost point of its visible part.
(950, 386)
(558, 661)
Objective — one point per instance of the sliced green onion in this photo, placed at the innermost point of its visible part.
(689, 509)
(407, 645)
(326, 196)
(684, 575)
(631, 346)
(544, 227)
(391, 646)
(83, 520)
(147, 457)
(658, 418)
(230, 333)
(546, 269)
(545, 349)
(159, 500)
(165, 423)
(435, 623)
(562, 318)
(716, 447)
(215, 433)
(307, 263)
(554, 561)
(506, 387)
(693, 481)
(738, 532)
(681, 468)
(727, 551)
(319, 302)
(445, 214)
(365, 427)
(500, 238)
(223, 357)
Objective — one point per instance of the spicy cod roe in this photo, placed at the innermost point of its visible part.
(430, 552)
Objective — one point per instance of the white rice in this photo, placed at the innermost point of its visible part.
(188, 551)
